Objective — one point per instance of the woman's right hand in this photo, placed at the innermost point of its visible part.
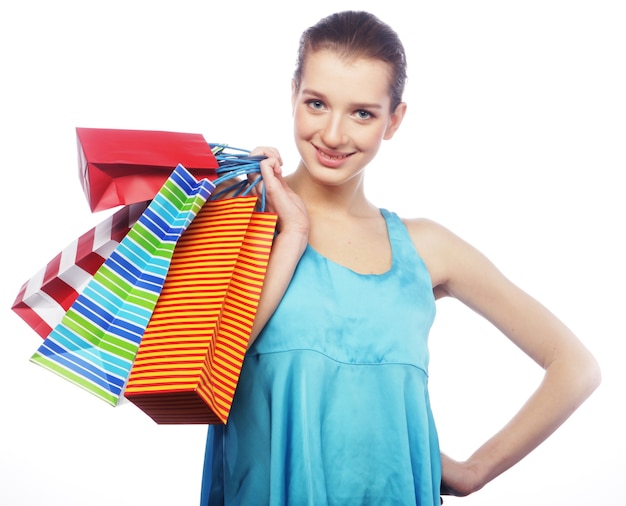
(280, 198)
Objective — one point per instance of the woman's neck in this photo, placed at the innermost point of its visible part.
(347, 198)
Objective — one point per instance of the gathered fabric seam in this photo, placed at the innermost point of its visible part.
(342, 362)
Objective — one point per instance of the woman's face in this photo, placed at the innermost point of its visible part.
(341, 114)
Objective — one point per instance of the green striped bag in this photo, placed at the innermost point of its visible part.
(95, 343)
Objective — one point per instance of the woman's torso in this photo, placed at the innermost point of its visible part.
(332, 404)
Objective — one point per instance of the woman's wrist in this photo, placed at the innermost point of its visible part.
(294, 239)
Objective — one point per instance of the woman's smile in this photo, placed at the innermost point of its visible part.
(329, 158)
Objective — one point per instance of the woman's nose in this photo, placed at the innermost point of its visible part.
(333, 133)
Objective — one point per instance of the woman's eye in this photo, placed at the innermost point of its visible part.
(316, 104)
(362, 114)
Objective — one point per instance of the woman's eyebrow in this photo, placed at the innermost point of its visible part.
(355, 105)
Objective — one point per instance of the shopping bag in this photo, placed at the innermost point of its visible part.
(95, 344)
(120, 167)
(45, 298)
(188, 363)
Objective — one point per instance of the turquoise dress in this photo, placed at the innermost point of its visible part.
(332, 405)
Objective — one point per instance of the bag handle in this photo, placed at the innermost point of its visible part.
(234, 163)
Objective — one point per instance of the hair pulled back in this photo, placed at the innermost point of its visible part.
(353, 35)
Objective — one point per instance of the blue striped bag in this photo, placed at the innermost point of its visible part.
(95, 344)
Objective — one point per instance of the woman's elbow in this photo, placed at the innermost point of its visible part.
(593, 373)
(588, 374)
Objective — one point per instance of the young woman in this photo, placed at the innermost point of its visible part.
(332, 405)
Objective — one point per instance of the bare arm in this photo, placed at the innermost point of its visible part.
(571, 373)
(289, 243)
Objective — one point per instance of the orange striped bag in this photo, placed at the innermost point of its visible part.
(191, 353)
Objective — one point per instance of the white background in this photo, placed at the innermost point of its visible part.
(515, 139)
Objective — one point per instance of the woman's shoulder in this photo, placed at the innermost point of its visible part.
(440, 248)
(455, 266)
(426, 230)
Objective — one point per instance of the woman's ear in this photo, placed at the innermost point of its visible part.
(294, 92)
(395, 121)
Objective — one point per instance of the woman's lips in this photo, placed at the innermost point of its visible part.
(331, 159)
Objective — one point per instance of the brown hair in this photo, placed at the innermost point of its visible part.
(356, 34)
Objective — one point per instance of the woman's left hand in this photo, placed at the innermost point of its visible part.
(457, 478)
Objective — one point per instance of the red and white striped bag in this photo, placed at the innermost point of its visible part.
(45, 298)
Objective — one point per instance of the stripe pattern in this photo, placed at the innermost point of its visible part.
(45, 298)
(188, 364)
(95, 344)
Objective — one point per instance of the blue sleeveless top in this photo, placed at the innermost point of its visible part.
(332, 405)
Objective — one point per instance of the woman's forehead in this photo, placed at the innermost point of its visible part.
(330, 69)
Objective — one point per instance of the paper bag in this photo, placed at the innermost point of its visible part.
(44, 299)
(188, 364)
(120, 167)
(95, 344)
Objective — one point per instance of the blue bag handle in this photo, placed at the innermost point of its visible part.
(234, 163)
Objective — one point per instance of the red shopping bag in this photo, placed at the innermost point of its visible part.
(188, 363)
(120, 167)
(43, 299)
